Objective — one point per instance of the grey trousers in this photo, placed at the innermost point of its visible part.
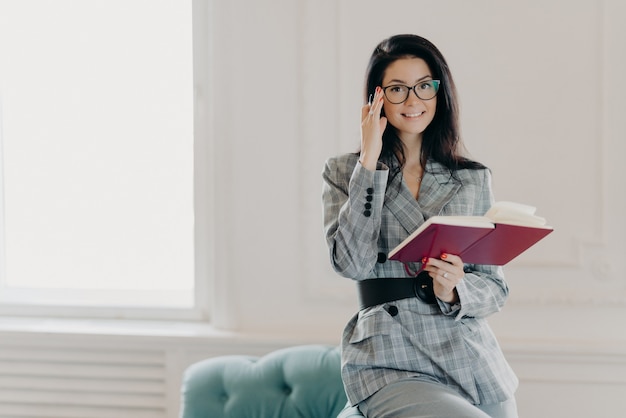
(411, 398)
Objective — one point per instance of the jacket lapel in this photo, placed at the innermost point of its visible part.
(437, 189)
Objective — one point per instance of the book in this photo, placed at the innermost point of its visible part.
(504, 232)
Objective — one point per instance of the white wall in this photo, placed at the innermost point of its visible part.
(542, 91)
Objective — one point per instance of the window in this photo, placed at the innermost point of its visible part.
(97, 164)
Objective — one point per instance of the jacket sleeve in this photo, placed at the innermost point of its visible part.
(483, 291)
(352, 203)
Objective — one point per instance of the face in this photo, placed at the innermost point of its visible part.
(413, 116)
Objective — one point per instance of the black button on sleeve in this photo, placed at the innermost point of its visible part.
(382, 257)
(392, 310)
(368, 206)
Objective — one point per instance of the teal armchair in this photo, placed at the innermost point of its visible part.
(295, 382)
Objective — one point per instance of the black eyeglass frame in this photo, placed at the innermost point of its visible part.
(437, 82)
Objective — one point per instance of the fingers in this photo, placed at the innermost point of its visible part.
(448, 270)
(374, 106)
(372, 128)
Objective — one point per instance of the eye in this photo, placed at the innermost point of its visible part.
(397, 89)
(426, 85)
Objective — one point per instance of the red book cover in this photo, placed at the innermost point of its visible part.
(503, 244)
(476, 239)
(437, 239)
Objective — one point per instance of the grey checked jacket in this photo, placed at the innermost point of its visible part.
(364, 218)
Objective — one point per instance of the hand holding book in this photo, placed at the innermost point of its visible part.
(446, 273)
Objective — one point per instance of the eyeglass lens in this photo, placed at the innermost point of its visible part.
(425, 90)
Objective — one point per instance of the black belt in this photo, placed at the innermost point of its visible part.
(374, 292)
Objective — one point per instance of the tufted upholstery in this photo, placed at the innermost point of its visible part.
(295, 382)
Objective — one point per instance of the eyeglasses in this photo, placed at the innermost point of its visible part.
(398, 93)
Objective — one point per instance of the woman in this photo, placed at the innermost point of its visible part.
(402, 355)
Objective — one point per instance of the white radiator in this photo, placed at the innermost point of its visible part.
(65, 382)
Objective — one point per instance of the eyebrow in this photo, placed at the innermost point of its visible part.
(395, 80)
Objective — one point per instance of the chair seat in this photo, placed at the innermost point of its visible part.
(300, 381)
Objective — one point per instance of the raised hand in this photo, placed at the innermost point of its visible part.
(372, 128)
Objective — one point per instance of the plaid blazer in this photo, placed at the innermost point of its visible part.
(365, 216)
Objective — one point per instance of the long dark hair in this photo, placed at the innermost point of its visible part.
(441, 140)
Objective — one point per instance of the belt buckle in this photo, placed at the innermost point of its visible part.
(423, 288)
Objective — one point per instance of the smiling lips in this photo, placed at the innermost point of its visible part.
(413, 115)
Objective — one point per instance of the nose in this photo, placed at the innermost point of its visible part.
(413, 97)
